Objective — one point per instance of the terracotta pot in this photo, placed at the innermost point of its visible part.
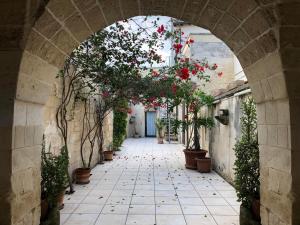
(204, 165)
(190, 158)
(44, 209)
(160, 140)
(82, 175)
(60, 200)
(256, 208)
(108, 155)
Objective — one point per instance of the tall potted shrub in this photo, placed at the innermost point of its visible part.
(246, 149)
(160, 126)
(192, 124)
(53, 184)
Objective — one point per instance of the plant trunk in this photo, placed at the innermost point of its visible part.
(196, 133)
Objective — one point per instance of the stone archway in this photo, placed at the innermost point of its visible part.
(36, 38)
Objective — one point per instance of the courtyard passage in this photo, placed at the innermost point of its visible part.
(147, 184)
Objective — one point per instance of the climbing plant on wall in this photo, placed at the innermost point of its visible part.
(120, 123)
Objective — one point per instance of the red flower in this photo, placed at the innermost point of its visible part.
(194, 72)
(105, 94)
(184, 73)
(215, 66)
(220, 74)
(177, 47)
(151, 99)
(200, 68)
(161, 29)
(190, 41)
(155, 73)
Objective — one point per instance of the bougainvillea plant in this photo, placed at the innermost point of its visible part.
(177, 85)
(105, 68)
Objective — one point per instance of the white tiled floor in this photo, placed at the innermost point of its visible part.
(147, 184)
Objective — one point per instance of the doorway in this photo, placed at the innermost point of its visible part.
(150, 129)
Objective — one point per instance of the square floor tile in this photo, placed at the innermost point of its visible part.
(105, 219)
(142, 200)
(227, 220)
(168, 209)
(64, 218)
(215, 201)
(190, 201)
(115, 209)
(170, 220)
(89, 208)
(142, 209)
(81, 219)
(222, 210)
(194, 210)
(95, 200)
(115, 200)
(140, 220)
(199, 220)
(165, 193)
(166, 200)
(69, 208)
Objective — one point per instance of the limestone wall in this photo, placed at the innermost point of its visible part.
(53, 137)
(220, 140)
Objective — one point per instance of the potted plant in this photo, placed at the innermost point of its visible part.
(108, 154)
(204, 164)
(246, 149)
(160, 126)
(53, 183)
(89, 134)
(192, 124)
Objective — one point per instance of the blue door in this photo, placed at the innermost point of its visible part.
(150, 124)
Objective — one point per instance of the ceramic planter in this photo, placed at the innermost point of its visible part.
(160, 140)
(82, 175)
(204, 165)
(108, 155)
(191, 156)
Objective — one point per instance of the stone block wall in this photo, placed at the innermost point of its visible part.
(53, 137)
(220, 139)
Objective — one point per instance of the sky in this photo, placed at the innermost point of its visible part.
(165, 52)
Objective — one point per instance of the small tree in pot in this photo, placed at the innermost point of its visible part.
(246, 149)
(192, 124)
(160, 126)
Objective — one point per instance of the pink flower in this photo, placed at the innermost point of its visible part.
(161, 29)
(220, 74)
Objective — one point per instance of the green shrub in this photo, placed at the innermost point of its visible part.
(247, 156)
(53, 171)
(120, 124)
